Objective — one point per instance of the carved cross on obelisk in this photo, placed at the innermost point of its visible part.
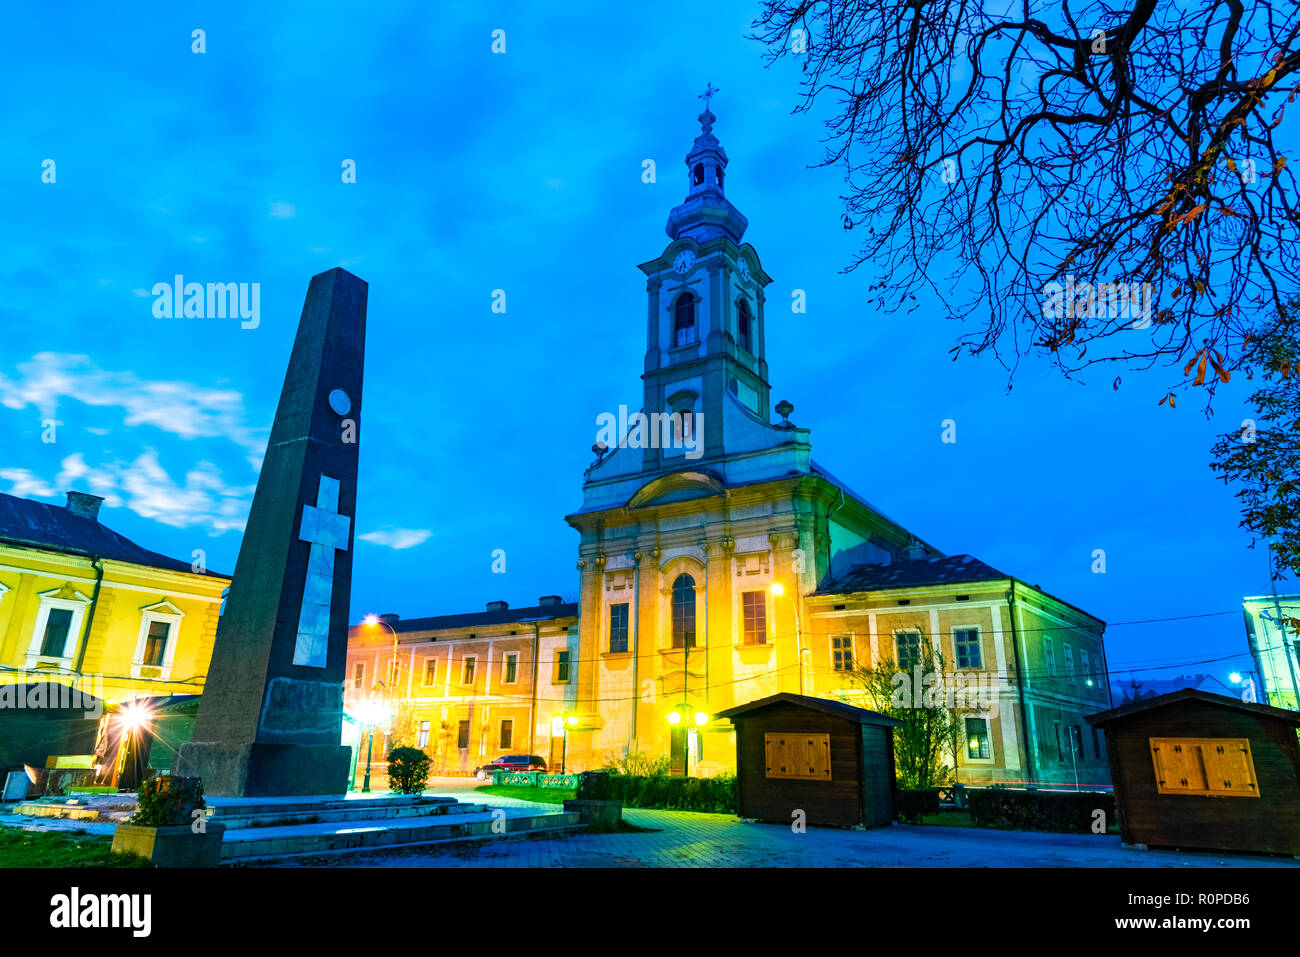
(327, 531)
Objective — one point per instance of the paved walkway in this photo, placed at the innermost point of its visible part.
(684, 839)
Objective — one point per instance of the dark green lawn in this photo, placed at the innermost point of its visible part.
(19, 848)
(525, 793)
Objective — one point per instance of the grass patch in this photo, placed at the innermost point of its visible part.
(20, 848)
(525, 793)
(949, 819)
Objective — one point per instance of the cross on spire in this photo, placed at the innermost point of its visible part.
(709, 90)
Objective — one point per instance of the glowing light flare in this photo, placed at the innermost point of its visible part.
(134, 717)
(777, 589)
(701, 719)
(674, 717)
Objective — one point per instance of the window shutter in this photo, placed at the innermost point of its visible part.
(1207, 767)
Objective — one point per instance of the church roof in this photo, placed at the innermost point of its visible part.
(954, 569)
(32, 524)
(504, 616)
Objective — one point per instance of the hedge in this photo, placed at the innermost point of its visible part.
(1069, 811)
(913, 805)
(715, 795)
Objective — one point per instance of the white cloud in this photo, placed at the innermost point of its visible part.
(27, 484)
(398, 538)
(182, 409)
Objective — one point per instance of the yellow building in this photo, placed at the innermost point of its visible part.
(80, 605)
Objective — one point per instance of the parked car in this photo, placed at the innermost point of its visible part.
(515, 763)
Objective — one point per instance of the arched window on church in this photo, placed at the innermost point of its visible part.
(684, 320)
(697, 175)
(684, 612)
(744, 327)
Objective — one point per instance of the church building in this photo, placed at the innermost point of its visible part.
(719, 563)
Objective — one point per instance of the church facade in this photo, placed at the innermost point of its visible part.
(718, 562)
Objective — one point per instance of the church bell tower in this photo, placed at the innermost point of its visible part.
(705, 342)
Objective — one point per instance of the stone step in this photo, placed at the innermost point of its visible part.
(283, 816)
(249, 844)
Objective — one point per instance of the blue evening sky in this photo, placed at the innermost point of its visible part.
(519, 171)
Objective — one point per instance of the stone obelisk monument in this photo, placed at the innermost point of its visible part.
(270, 721)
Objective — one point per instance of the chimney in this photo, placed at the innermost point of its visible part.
(498, 605)
(915, 552)
(84, 504)
(549, 600)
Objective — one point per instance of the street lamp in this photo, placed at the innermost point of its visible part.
(560, 725)
(694, 721)
(777, 590)
(371, 713)
(370, 621)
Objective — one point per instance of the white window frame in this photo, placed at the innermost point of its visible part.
(163, 611)
(979, 643)
(1069, 663)
(49, 601)
(427, 679)
(505, 657)
(469, 671)
(1050, 654)
(988, 732)
(853, 653)
(1086, 661)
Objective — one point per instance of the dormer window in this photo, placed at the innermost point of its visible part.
(744, 327)
(684, 320)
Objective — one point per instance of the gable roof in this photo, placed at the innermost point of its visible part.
(952, 569)
(505, 616)
(1192, 694)
(837, 709)
(32, 524)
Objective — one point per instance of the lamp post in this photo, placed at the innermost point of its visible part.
(371, 714)
(694, 721)
(560, 725)
(370, 621)
(777, 590)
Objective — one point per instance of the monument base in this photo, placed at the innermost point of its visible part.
(266, 770)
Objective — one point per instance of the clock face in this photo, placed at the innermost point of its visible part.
(340, 402)
(744, 270)
(684, 261)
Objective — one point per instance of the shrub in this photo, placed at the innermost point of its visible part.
(1068, 811)
(715, 795)
(638, 763)
(913, 805)
(168, 800)
(408, 770)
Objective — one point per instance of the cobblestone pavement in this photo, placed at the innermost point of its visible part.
(684, 839)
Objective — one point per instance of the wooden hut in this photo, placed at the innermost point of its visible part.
(830, 760)
(1199, 770)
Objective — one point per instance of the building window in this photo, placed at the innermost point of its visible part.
(394, 669)
(1050, 655)
(684, 320)
(430, 671)
(561, 667)
(467, 675)
(462, 735)
(1096, 743)
(618, 628)
(907, 645)
(977, 738)
(155, 644)
(697, 175)
(1060, 751)
(57, 625)
(422, 740)
(684, 612)
(507, 734)
(842, 652)
(1069, 663)
(967, 642)
(512, 669)
(358, 674)
(744, 327)
(754, 614)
